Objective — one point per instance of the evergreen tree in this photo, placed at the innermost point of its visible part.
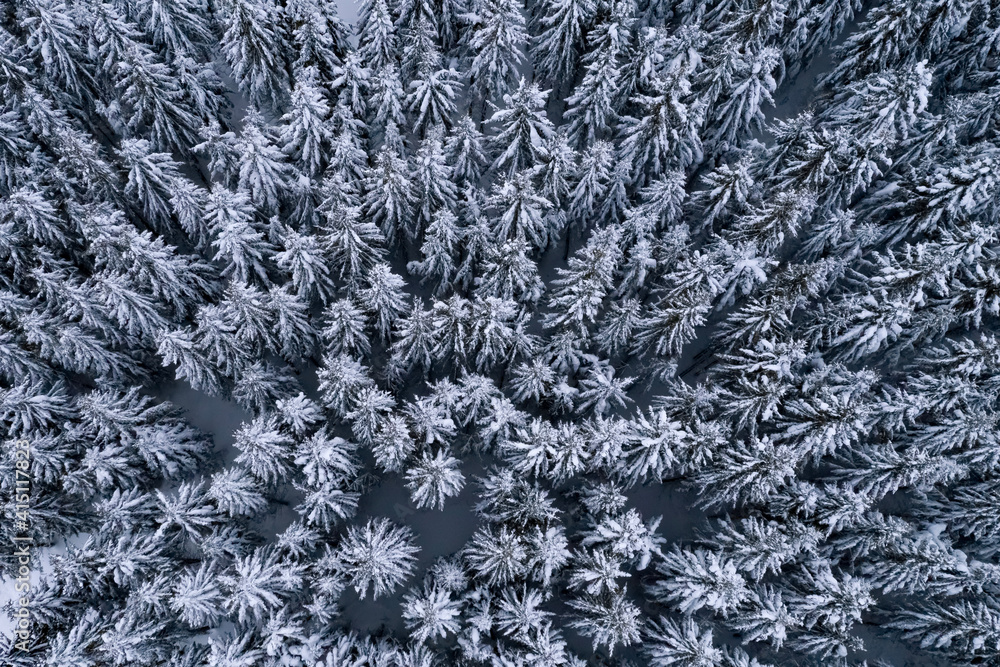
(388, 102)
(53, 41)
(303, 258)
(420, 45)
(701, 579)
(431, 613)
(439, 250)
(237, 240)
(592, 185)
(498, 557)
(520, 210)
(264, 450)
(750, 83)
(556, 48)
(667, 134)
(347, 327)
(254, 51)
(591, 109)
(178, 347)
(294, 333)
(353, 244)
(390, 198)
(415, 341)
(880, 42)
(350, 82)
(377, 37)
(181, 27)
(220, 147)
(609, 620)
(432, 96)
(383, 296)
(187, 201)
(262, 170)
(318, 38)
(432, 179)
(151, 180)
(509, 273)
(581, 287)
(557, 169)
(304, 133)
(433, 479)
(153, 100)
(522, 127)
(495, 37)
(466, 151)
(379, 555)
(675, 644)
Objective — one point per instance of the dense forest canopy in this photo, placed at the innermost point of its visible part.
(533, 258)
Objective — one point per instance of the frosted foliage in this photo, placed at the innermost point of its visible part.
(433, 479)
(431, 614)
(562, 333)
(378, 555)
